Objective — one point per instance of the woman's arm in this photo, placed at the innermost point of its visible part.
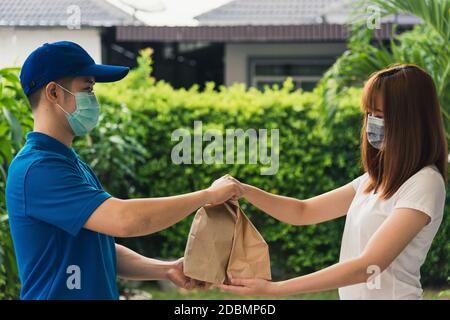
(383, 247)
(327, 206)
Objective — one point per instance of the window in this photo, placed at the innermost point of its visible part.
(305, 72)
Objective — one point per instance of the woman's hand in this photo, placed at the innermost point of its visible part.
(250, 287)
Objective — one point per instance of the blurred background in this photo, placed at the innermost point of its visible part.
(293, 65)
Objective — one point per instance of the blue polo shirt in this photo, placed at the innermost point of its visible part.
(50, 193)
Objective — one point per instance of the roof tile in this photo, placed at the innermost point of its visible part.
(58, 13)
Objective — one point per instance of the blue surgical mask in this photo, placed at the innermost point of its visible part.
(375, 131)
(85, 117)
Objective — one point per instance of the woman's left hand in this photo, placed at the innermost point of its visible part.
(249, 287)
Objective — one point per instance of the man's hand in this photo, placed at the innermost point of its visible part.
(224, 189)
(176, 275)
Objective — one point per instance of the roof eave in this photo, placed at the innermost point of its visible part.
(249, 33)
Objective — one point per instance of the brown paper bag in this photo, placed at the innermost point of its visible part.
(224, 244)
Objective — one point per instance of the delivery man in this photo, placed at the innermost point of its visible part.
(62, 221)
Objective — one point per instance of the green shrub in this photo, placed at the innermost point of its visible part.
(313, 159)
(130, 151)
(15, 119)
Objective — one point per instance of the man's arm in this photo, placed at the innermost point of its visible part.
(133, 266)
(137, 217)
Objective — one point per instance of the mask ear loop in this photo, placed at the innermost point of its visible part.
(64, 89)
(67, 113)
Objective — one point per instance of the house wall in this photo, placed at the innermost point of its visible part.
(16, 43)
(237, 55)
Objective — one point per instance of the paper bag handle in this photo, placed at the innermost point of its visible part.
(232, 206)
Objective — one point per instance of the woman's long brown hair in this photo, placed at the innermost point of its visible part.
(414, 135)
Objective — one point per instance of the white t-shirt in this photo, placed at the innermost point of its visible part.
(424, 191)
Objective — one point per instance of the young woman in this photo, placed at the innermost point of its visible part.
(393, 210)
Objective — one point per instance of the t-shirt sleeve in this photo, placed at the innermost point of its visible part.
(357, 181)
(56, 193)
(424, 191)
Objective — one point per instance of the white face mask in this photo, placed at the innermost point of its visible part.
(375, 131)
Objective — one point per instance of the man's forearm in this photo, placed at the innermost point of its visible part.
(137, 217)
(146, 216)
(133, 266)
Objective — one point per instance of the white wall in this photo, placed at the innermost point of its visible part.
(16, 43)
(236, 55)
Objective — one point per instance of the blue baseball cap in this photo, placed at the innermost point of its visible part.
(53, 61)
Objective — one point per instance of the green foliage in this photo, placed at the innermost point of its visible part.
(15, 119)
(313, 160)
(319, 143)
(425, 45)
(435, 13)
(310, 162)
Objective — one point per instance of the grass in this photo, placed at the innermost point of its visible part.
(215, 294)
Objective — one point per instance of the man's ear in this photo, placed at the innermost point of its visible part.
(52, 92)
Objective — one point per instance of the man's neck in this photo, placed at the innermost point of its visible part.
(61, 137)
(48, 123)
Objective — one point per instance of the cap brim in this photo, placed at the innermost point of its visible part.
(104, 72)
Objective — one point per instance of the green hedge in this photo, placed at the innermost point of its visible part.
(15, 119)
(130, 152)
(316, 156)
